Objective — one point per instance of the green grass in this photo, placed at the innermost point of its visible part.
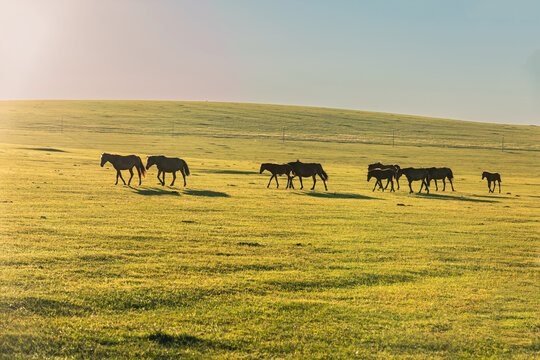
(226, 268)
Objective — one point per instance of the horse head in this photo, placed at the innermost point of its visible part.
(151, 161)
(484, 174)
(263, 167)
(104, 158)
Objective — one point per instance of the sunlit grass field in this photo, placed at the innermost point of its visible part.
(226, 268)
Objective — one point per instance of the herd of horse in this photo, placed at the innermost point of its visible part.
(297, 169)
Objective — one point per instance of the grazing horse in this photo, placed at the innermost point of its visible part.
(278, 169)
(438, 174)
(127, 162)
(413, 174)
(395, 168)
(492, 177)
(166, 164)
(301, 170)
(380, 174)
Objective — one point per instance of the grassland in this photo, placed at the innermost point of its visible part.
(226, 268)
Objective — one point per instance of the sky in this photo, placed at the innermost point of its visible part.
(470, 60)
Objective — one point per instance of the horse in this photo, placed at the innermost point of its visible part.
(378, 165)
(413, 174)
(278, 169)
(120, 162)
(301, 170)
(171, 165)
(438, 174)
(492, 177)
(380, 174)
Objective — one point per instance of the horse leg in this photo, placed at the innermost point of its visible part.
(173, 178)
(392, 185)
(436, 186)
(376, 183)
(271, 177)
(301, 183)
(499, 186)
(314, 181)
(451, 184)
(131, 177)
(426, 185)
(387, 182)
(163, 176)
(139, 172)
(117, 172)
(184, 176)
(397, 182)
(121, 177)
(158, 174)
(291, 184)
(277, 184)
(410, 187)
(324, 182)
(444, 184)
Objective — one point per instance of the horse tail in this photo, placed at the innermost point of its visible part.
(141, 167)
(186, 168)
(324, 174)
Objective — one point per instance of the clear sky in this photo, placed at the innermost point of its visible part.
(472, 60)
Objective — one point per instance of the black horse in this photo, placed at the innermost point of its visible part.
(278, 169)
(171, 165)
(438, 174)
(124, 162)
(413, 174)
(301, 170)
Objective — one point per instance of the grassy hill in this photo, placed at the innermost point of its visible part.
(226, 268)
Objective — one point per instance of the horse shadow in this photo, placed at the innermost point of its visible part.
(452, 197)
(340, 196)
(493, 196)
(229, 172)
(154, 192)
(207, 193)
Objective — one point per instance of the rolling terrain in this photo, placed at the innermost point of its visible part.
(225, 268)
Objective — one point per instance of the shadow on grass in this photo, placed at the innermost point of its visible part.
(154, 192)
(234, 172)
(340, 196)
(452, 197)
(46, 149)
(207, 193)
(493, 197)
(186, 341)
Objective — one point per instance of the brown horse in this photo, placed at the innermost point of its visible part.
(171, 165)
(301, 170)
(127, 162)
(438, 174)
(413, 174)
(492, 177)
(278, 169)
(395, 168)
(381, 174)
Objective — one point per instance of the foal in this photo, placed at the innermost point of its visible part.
(381, 174)
(395, 168)
(492, 177)
(278, 169)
